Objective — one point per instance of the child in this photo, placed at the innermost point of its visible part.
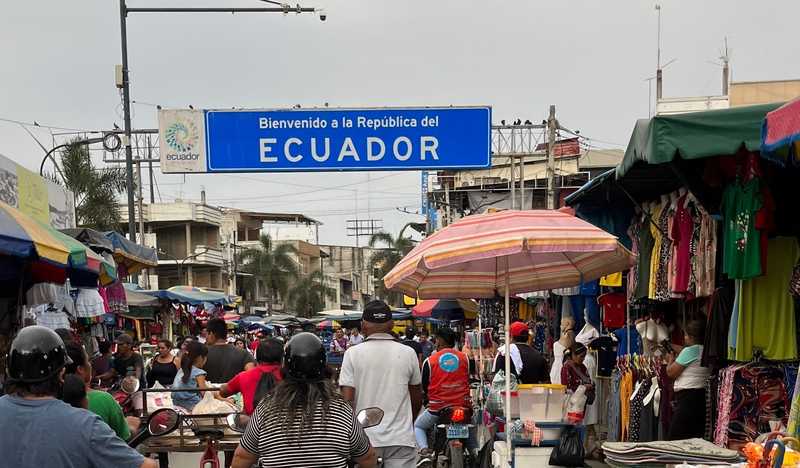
(73, 391)
(191, 376)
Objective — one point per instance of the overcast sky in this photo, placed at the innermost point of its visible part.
(589, 58)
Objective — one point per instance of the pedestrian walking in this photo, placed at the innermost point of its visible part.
(382, 372)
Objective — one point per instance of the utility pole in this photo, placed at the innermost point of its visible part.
(140, 208)
(552, 124)
(126, 91)
(447, 204)
(150, 166)
(513, 182)
(522, 183)
(126, 109)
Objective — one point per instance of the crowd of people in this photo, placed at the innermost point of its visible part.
(287, 386)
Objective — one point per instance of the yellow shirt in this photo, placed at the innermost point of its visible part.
(612, 280)
(625, 391)
(654, 256)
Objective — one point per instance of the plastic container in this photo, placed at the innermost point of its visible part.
(514, 404)
(542, 403)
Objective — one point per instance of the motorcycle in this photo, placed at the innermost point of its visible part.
(449, 439)
(161, 422)
(123, 392)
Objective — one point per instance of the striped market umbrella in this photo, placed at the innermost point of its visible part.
(780, 133)
(508, 252)
(485, 255)
(24, 237)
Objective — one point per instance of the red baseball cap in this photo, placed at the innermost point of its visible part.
(518, 329)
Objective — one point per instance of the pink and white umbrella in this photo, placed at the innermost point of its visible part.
(480, 255)
(510, 252)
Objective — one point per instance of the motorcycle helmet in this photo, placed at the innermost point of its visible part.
(37, 354)
(305, 357)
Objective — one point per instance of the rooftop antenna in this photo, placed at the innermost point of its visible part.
(659, 78)
(725, 58)
(725, 69)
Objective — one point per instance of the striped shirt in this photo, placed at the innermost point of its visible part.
(327, 443)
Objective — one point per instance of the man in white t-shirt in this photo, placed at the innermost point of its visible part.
(355, 337)
(382, 372)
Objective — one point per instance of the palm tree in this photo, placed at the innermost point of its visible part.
(271, 265)
(95, 189)
(308, 294)
(384, 259)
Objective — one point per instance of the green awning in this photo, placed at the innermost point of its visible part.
(140, 313)
(695, 135)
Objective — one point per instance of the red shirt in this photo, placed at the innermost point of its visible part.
(613, 305)
(246, 383)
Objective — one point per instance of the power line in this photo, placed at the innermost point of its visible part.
(37, 124)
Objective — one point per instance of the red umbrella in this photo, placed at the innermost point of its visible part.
(429, 307)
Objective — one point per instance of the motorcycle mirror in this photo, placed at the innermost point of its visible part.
(163, 421)
(238, 421)
(130, 385)
(370, 417)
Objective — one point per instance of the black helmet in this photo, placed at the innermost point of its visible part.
(305, 357)
(37, 354)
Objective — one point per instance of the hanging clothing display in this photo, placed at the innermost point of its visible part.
(742, 241)
(50, 317)
(676, 243)
(766, 309)
(750, 396)
(613, 307)
(637, 412)
(88, 303)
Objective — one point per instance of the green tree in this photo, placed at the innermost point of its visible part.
(384, 259)
(96, 189)
(271, 265)
(308, 294)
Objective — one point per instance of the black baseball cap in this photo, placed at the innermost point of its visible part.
(377, 312)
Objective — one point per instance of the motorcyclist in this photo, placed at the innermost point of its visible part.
(42, 430)
(304, 422)
(445, 381)
(125, 360)
(99, 402)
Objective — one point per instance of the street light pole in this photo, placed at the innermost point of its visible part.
(126, 108)
(126, 91)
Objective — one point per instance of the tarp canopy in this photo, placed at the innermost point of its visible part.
(140, 299)
(668, 152)
(190, 295)
(133, 256)
(94, 239)
(695, 135)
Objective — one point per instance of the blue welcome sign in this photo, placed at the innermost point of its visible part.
(326, 139)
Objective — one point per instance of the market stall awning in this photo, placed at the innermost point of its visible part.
(94, 239)
(780, 134)
(24, 237)
(132, 256)
(140, 299)
(695, 135)
(190, 295)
